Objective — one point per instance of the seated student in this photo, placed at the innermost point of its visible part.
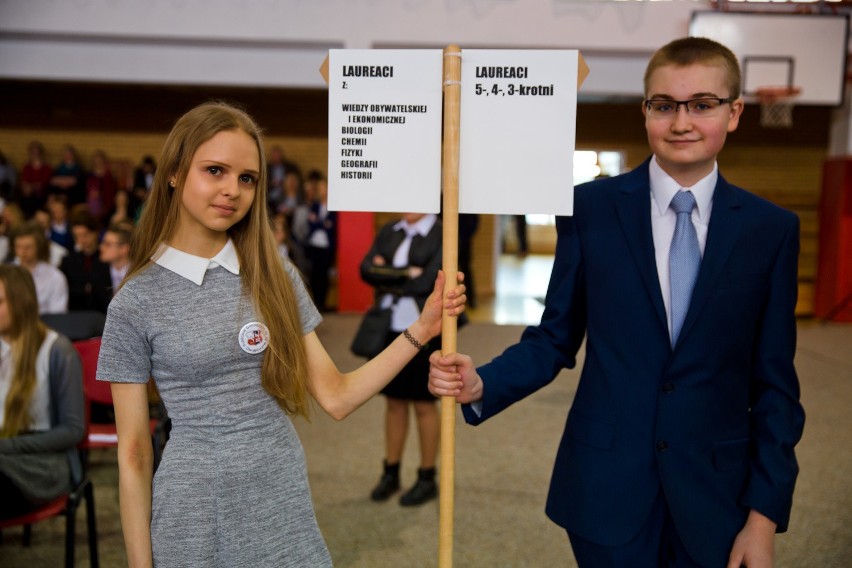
(41, 401)
(35, 179)
(121, 211)
(11, 217)
(101, 187)
(88, 278)
(60, 230)
(31, 251)
(68, 177)
(55, 251)
(143, 179)
(278, 167)
(8, 178)
(281, 231)
(4, 235)
(115, 252)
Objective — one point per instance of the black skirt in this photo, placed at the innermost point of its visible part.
(412, 383)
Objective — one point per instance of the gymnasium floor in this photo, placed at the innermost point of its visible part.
(503, 467)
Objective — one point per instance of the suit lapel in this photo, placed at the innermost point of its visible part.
(722, 234)
(633, 204)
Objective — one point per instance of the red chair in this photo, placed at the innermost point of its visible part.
(99, 392)
(65, 505)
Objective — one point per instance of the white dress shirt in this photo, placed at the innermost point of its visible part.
(51, 288)
(406, 311)
(664, 219)
(116, 275)
(57, 253)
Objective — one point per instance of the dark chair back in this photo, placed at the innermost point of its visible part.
(77, 325)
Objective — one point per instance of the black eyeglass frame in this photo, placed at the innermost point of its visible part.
(677, 104)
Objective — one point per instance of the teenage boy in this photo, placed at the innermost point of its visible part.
(89, 285)
(678, 449)
(115, 252)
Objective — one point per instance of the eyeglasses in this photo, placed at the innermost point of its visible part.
(704, 107)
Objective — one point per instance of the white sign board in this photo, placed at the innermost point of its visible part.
(517, 131)
(384, 130)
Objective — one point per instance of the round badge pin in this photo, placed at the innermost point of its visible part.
(254, 337)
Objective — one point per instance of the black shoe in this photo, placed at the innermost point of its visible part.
(388, 485)
(422, 492)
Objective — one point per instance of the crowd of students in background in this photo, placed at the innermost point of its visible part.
(71, 226)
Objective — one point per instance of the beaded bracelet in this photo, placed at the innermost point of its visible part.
(413, 341)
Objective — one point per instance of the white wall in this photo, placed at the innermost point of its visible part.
(283, 42)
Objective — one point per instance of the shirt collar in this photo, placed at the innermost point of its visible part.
(420, 227)
(192, 267)
(664, 187)
(119, 273)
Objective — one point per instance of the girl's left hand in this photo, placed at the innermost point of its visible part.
(430, 317)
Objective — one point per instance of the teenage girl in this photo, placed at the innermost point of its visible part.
(226, 329)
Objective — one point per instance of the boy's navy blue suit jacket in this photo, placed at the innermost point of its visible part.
(711, 423)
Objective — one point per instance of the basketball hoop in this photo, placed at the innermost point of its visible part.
(776, 106)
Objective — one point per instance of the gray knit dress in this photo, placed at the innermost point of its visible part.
(232, 487)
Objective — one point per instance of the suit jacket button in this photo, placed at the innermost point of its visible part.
(662, 446)
(668, 388)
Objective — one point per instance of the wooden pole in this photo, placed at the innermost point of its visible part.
(450, 186)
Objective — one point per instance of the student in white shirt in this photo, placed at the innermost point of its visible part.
(31, 252)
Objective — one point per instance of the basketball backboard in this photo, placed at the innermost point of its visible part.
(784, 50)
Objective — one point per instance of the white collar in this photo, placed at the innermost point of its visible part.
(192, 267)
(664, 187)
(420, 227)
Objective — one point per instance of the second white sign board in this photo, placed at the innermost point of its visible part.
(517, 131)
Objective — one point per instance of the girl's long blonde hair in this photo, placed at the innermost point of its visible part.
(26, 334)
(285, 370)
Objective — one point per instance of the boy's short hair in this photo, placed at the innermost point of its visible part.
(124, 232)
(81, 217)
(691, 50)
(58, 198)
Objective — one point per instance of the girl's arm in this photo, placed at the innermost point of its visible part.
(339, 394)
(135, 470)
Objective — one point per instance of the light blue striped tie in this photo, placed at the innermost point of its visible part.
(684, 260)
